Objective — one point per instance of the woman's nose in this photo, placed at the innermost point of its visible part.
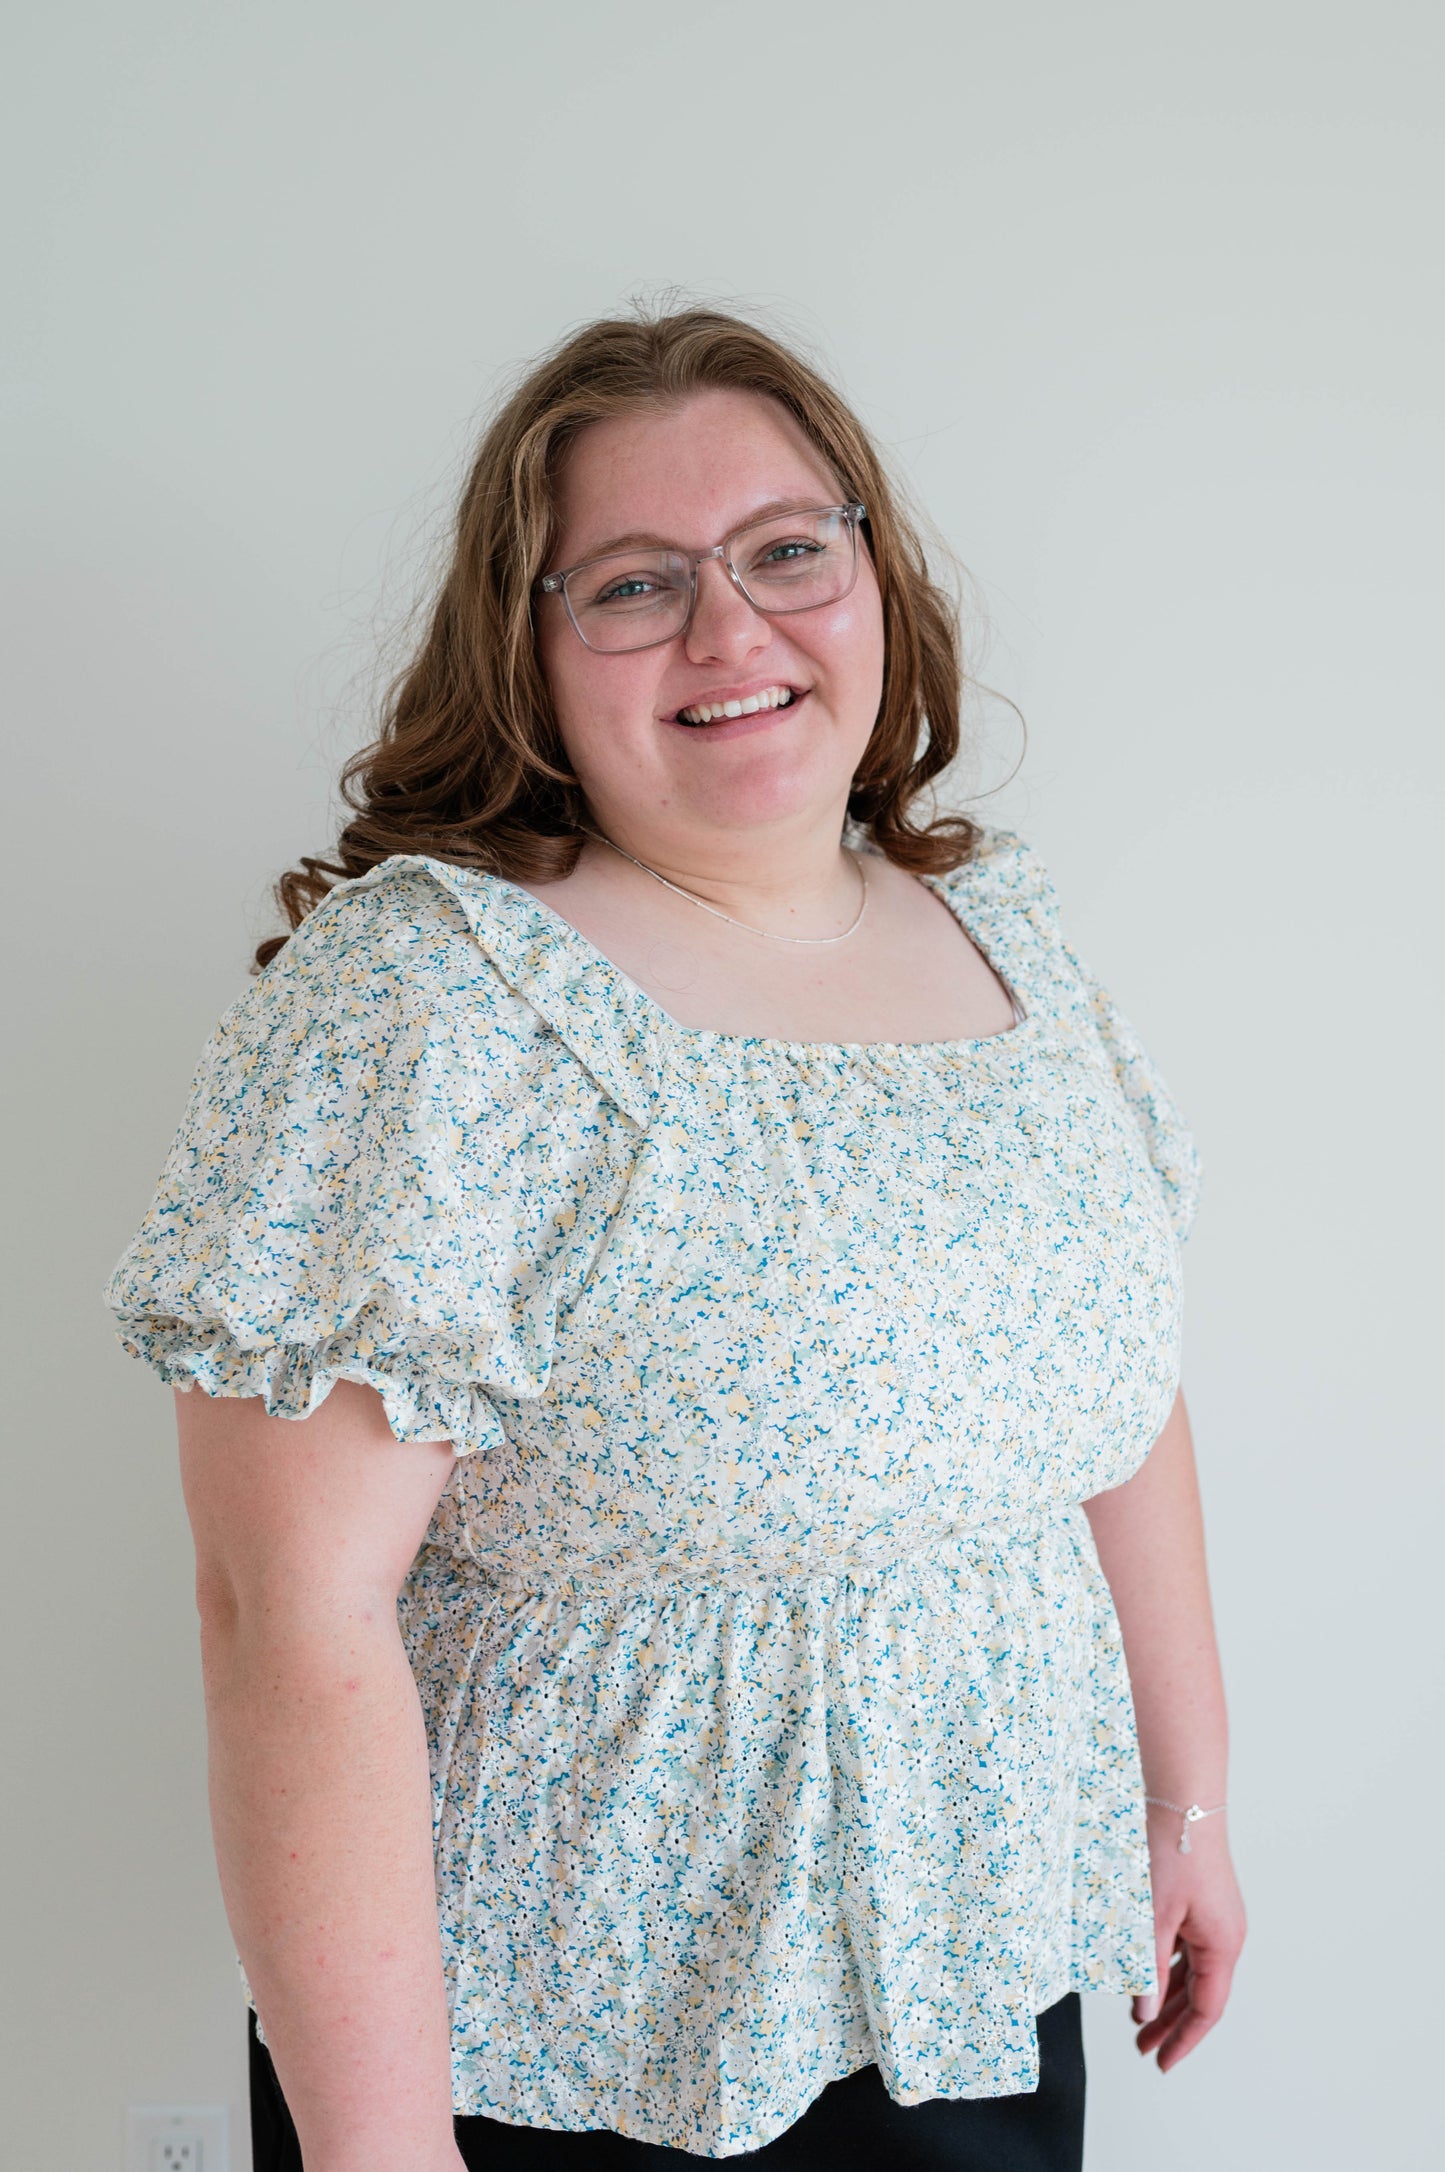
(724, 625)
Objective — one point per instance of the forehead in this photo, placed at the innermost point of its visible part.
(685, 474)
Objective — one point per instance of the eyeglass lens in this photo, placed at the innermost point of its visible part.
(790, 562)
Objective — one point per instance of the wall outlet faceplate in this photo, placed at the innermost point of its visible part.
(178, 2138)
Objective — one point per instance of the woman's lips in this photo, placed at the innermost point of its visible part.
(738, 727)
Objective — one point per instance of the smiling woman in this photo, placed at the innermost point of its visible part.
(682, 1261)
(472, 763)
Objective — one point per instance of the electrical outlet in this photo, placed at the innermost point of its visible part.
(178, 2138)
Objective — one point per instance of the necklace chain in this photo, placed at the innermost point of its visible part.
(718, 914)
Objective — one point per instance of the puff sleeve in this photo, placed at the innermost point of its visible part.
(365, 1185)
(1168, 1139)
(1020, 902)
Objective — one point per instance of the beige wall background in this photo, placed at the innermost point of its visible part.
(1146, 300)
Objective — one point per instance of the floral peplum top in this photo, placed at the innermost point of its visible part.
(777, 1705)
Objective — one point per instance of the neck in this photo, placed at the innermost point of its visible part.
(760, 885)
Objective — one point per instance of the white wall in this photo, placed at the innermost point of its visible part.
(1147, 300)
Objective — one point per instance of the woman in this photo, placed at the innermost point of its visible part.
(697, 1235)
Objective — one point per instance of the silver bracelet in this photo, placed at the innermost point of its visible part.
(1191, 1814)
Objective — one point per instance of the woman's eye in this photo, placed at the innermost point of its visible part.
(626, 591)
(638, 590)
(787, 554)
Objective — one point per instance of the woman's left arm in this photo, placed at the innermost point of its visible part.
(1149, 1534)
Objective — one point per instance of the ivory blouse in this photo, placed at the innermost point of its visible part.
(777, 1706)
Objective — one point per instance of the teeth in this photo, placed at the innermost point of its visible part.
(706, 712)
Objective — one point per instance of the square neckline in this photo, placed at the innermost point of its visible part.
(712, 1036)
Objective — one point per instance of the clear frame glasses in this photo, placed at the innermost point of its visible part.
(790, 561)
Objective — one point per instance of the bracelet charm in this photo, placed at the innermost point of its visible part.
(1189, 1812)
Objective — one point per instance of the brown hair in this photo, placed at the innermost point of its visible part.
(469, 766)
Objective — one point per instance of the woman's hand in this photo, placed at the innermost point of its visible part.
(1199, 1929)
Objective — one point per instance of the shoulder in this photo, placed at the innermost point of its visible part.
(393, 948)
(1005, 873)
(384, 1009)
(403, 931)
(470, 962)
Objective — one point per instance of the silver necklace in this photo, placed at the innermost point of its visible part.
(719, 915)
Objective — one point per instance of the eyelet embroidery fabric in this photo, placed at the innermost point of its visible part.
(777, 1706)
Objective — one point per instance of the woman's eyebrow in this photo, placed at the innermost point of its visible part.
(638, 538)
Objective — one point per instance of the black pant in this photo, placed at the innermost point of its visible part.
(853, 2122)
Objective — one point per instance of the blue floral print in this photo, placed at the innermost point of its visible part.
(777, 1705)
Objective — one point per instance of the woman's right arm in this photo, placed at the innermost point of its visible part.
(319, 1781)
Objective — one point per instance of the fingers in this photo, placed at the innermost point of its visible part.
(1170, 2006)
(1190, 2030)
(1194, 1998)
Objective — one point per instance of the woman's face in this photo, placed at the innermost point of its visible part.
(688, 476)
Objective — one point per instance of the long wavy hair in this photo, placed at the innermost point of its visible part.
(469, 765)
